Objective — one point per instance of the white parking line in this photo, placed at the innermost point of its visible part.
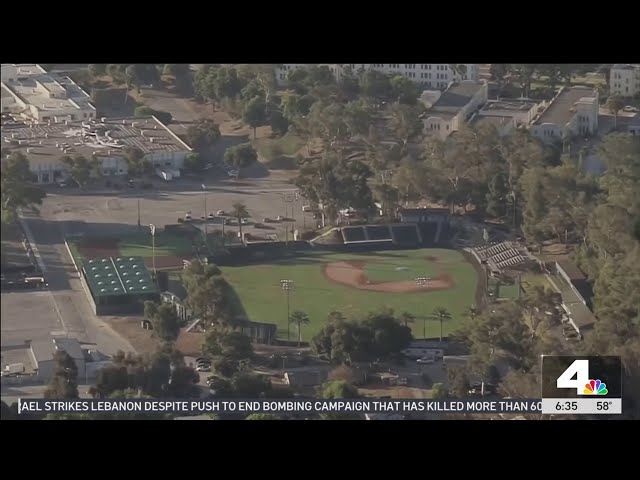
(32, 242)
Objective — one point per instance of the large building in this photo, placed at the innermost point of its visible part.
(430, 75)
(29, 92)
(572, 112)
(451, 109)
(104, 139)
(624, 79)
(507, 114)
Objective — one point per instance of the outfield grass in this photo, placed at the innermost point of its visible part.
(259, 290)
(167, 244)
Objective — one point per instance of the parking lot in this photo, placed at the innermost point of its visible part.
(117, 213)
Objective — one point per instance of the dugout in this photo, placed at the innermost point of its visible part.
(118, 285)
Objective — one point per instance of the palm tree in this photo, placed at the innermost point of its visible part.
(239, 211)
(441, 314)
(615, 104)
(472, 312)
(299, 318)
(407, 318)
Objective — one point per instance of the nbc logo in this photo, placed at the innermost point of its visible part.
(595, 387)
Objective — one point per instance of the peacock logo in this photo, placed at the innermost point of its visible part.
(595, 387)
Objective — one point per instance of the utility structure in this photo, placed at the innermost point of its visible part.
(288, 198)
(423, 282)
(152, 228)
(205, 217)
(288, 286)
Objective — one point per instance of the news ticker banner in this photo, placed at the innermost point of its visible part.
(186, 407)
(581, 385)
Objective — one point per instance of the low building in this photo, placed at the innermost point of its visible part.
(107, 140)
(624, 79)
(572, 112)
(522, 111)
(503, 125)
(423, 215)
(31, 93)
(454, 107)
(633, 127)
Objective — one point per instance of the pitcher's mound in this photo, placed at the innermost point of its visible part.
(352, 274)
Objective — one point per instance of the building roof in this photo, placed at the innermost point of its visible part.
(559, 112)
(625, 66)
(495, 120)
(33, 86)
(69, 345)
(509, 107)
(43, 350)
(571, 269)
(458, 95)
(107, 137)
(118, 276)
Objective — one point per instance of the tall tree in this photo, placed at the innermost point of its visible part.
(207, 293)
(404, 90)
(163, 317)
(240, 212)
(203, 134)
(615, 104)
(229, 344)
(81, 169)
(441, 315)
(299, 318)
(64, 381)
(255, 114)
(241, 156)
(17, 189)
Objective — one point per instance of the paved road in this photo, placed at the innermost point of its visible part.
(11, 393)
(65, 295)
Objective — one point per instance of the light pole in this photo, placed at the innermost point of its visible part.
(423, 282)
(138, 212)
(206, 244)
(288, 199)
(152, 227)
(287, 286)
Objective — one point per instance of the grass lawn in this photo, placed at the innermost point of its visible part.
(167, 244)
(531, 280)
(396, 266)
(262, 298)
(271, 148)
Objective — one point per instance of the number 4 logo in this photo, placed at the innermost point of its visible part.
(578, 369)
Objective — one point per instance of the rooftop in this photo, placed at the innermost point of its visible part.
(93, 138)
(118, 276)
(457, 95)
(495, 120)
(561, 109)
(509, 107)
(625, 66)
(33, 86)
(69, 345)
(571, 269)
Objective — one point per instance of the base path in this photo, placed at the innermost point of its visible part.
(352, 274)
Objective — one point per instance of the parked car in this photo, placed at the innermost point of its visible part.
(425, 360)
(258, 225)
(267, 220)
(629, 108)
(203, 368)
(202, 359)
(220, 212)
(280, 218)
(244, 221)
(306, 208)
(211, 215)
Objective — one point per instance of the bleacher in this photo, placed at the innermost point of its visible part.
(406, 234)
(354, 234)
(503, 255)
(378, 232)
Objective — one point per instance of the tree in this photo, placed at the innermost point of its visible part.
(241, 156)
(194, 162)
(111, 379)
(407, 318)
(255, 113)
(337, 389)
(207, 293)
(163, 317)
(458, 382)
(261, 416)
(229, 344)
(144, 111)
(203, 134)
(64, 382)
(136, 162)
(183, 382)
(17, 190)
(376, 86)
(97, 69)
(80, 168)
(250, 385)
(526, 72)
(497, 196)
(278, 122)
(299, 318)
(406, 123)
(404, 90)
(343, 373)
(498, 72)
(442, 315)
(615, 104)
(240, 212)
(388, 335)
(176, 69)
(438, 391)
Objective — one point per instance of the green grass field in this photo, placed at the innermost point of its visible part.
(167, 244)
(262, 298)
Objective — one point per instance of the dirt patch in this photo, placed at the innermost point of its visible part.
(431, 259)
(352, 274)
(165, 262)
(89, 251)
(131, 329)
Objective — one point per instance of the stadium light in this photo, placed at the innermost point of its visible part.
(288, 286)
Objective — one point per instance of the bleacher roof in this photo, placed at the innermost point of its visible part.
(119, 276)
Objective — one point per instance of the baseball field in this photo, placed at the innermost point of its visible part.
(356, 284)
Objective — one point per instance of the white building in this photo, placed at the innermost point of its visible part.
(29, 92)
(105, 139)
(430, 75)
(572, 112)
(625, 80)
(453, 107)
